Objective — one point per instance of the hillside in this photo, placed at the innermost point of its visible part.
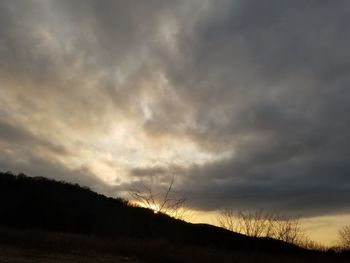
(49, 206)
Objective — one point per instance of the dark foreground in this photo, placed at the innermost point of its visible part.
(10, 254)
(23, 245)
(42, 220)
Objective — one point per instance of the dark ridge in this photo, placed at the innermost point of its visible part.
(37, 202)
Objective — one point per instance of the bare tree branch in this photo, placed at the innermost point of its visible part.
(262, 224)
(166, 202)
(344, 237)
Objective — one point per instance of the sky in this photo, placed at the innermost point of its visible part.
(244, 102)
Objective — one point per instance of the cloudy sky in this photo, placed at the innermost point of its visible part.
(245, 102)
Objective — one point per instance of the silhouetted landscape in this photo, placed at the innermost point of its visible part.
(48, 217)
(174, 131)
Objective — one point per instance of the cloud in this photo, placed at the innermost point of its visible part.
(246, 102)
(268, 82)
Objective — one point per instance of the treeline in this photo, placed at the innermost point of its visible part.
(37, 202)
(60, 206)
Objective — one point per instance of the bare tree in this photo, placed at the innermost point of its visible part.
(307, 243)
(344, 237)
(288, 230)
(166, 201)
(227, 219)
(254, 224)
(262, 224)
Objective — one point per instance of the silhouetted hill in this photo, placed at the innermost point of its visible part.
(36, 202)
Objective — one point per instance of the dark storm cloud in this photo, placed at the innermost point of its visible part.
(264, 82)
(269, 80)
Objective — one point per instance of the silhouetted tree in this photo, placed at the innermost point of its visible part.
(165, 202)
(255, 224)
(262, 224)
(344, 237)
(288, 230)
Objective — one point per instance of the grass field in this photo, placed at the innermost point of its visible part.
(35, 246)
(11, 254)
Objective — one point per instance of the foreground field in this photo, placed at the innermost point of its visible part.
(10, 254)
(36, 246)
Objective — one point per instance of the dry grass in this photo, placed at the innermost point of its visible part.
(39, 246)
(10, 254)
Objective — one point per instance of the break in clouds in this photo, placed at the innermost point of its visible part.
(246, 102)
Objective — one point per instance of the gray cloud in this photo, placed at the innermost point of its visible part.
(266, 81)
